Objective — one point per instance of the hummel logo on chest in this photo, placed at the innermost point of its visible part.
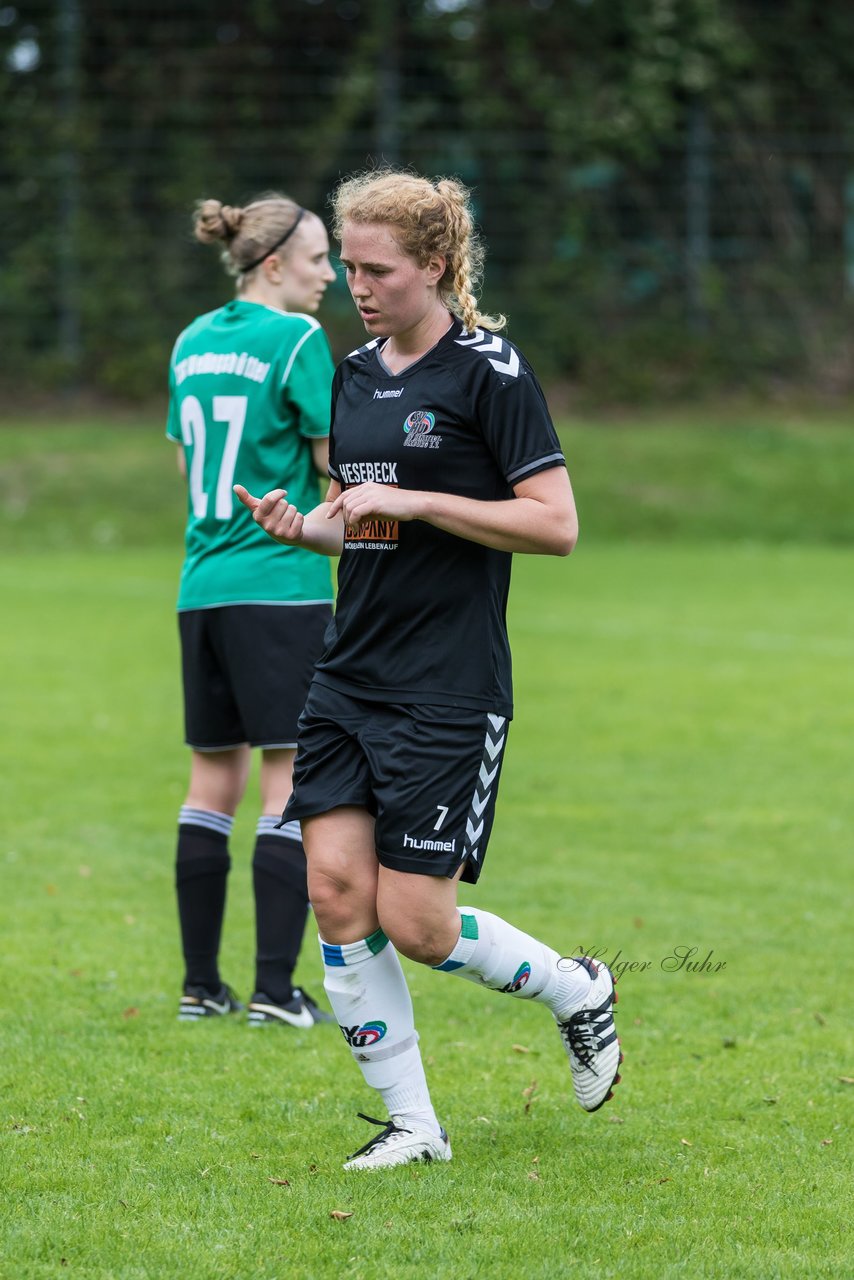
(388, 395)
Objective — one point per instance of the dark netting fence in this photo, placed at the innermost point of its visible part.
(666, 187)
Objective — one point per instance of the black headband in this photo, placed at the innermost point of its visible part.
(273, 247)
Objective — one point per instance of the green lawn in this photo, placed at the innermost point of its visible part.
(678, 777)
(734, 473)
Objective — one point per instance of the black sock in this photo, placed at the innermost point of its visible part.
(281, 909)
(201, 872)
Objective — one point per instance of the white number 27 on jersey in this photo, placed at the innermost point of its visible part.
(230, 409)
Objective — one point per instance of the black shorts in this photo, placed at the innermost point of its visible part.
(247, 669)
(428, 774)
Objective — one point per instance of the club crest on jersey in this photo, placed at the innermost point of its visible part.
(361, 1037)
(419, 427)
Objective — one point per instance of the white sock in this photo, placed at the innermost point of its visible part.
(369, 997)
(497, 955)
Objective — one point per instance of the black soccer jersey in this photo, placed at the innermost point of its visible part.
(420, 616)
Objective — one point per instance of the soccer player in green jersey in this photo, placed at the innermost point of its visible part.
(444, 462)
(249, 401)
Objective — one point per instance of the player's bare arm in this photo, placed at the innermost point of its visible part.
(320, 455)
(540, 519)
(284, 523)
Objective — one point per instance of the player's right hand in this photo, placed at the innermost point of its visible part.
(276, 516)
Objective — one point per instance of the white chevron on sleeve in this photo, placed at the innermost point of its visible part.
(511, 367)
(495, 345)
(490, 342)
(367, 347)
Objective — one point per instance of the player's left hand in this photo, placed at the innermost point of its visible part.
(372, 501)
(274, 514)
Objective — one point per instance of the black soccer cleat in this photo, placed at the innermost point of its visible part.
(198, 1002)
(299, 1011)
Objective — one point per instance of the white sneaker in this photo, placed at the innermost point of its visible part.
(590, 1038)
(399, 1145)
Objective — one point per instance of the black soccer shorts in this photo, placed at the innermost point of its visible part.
(247, 669)
(428, 774)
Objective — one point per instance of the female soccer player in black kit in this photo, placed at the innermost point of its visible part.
(444, 461)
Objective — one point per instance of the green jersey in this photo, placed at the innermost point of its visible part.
(249, 388)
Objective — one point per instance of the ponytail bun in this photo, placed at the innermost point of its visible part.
(214, 221)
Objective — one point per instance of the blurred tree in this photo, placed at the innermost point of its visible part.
(637, 164)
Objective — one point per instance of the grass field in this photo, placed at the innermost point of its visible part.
(678, 778)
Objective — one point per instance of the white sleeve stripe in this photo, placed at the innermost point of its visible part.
(295, 352)
(531, 466)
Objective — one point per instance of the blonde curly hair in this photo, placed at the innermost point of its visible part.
(429, 218)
